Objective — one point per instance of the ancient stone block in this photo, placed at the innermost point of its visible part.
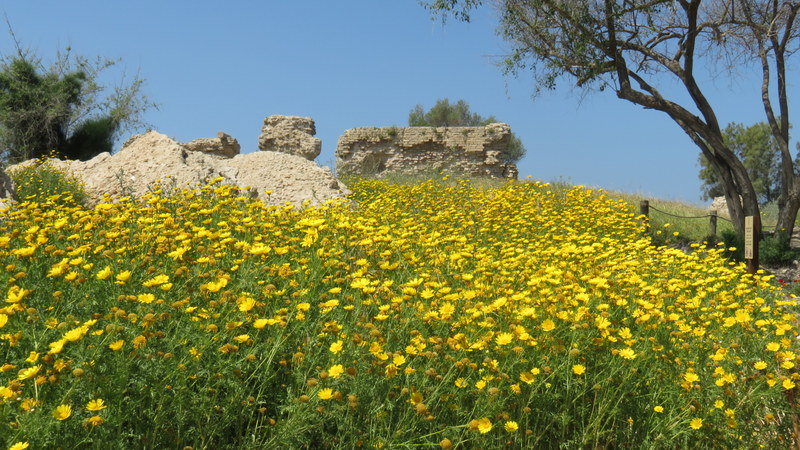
(290, 134)
(222, 145)
(470, 151)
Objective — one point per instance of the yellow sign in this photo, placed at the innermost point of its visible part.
(748, 237)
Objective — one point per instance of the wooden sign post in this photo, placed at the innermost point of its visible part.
(748, 237)
(752, 231)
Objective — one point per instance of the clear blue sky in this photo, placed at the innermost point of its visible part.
(224, 66)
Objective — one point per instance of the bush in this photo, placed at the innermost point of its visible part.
(44, 181)
(774, 250)
(733, 241)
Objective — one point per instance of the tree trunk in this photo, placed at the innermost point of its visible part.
(739, 192)
(787, 213)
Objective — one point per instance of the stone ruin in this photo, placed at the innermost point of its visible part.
(223, 145)
(470, 151)
(290, 134)
(276, 177)
(285, 171)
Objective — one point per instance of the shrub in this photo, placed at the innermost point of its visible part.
(44, 181)
(774, 250)
(735, 242)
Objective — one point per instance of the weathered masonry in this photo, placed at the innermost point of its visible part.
(471, 151)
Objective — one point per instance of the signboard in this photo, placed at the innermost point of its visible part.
(748, 237)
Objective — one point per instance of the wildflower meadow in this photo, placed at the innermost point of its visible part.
(433, 315)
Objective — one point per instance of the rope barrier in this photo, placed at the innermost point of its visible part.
(680, 217)
(651, 207)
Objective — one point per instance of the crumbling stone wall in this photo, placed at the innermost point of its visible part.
(471, 151)
(290, 134)
(222, 145)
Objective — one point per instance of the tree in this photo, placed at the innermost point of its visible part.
(759, 151)
(63, 108)
(767, 32)
(630, 47)
(446, 114)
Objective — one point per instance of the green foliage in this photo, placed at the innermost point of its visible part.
(734, 245)
(775, 250)
(62, 107)
(43, 182)
(758, 150)
(445, 114)
(458, 114)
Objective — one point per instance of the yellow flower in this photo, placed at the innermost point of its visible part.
(123, 276)
(658, 409)
(105, 273)
(242, 338)
(156, 280)
(3, 320)
(28, 404)
(116, 345)
(461, 383)
(5, 392)
(527, 377)
(75, 334)
(335, 371)
(336, 347)
(95, 421)
(484, 425)
(71, 276)
(56, 347)
(578, 369)
(504, 338)
(215, 286)
(246, 304)
(30, 372)
(511, 426)
(260, 323)
(760, 365)
(139, 341)
(24, 251)
(398, 360)
(145, 298)
(62, 412)
(19, 446)
(690, 377)
(548, 325)
(773, 346)
(788, 384)
(96, 405)
(696, 423)
(325, 394)
(627, 353)
(16, 294)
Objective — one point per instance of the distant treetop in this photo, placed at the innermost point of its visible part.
(458, 114)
